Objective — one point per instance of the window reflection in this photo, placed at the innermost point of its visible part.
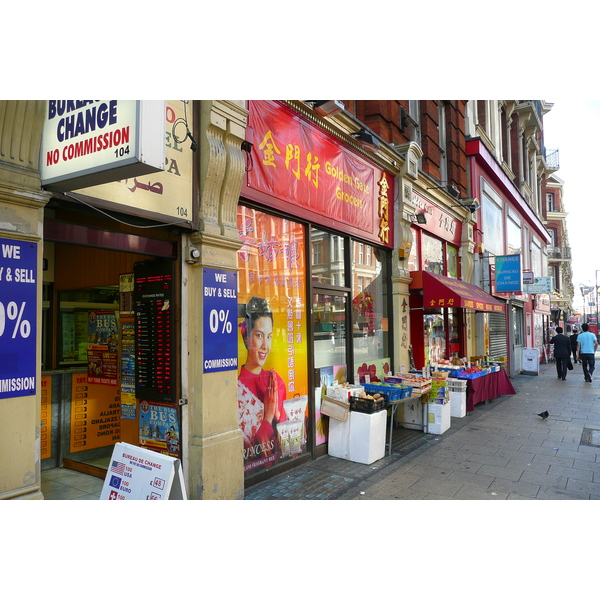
(369, 306)
(327, 258)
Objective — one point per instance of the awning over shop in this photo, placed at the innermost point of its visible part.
(445, 292)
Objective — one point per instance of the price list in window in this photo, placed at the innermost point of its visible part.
(153, 298)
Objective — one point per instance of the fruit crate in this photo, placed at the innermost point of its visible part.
(367, 406)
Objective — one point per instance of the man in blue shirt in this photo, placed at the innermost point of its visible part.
(586, 348)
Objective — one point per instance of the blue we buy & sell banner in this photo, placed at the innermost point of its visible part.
(18, 313)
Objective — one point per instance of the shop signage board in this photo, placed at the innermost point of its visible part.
(154, 298)
(220, 320)
(439, 222)
(508, 273)
(18, 317)
(89, 142)
(163, 196)
(141, 474)
(540, 285)
(316, 175)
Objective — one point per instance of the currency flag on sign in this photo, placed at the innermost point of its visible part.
(117, 467)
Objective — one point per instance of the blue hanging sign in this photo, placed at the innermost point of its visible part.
(18, 315)
(220, 320)
(508, 273)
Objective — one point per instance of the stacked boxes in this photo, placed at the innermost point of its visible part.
(439, 391)
(439, 406)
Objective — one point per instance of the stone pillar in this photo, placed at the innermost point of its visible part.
(215, 466)
(473, 320)
(21, 218)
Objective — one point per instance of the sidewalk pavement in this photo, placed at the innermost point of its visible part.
(501, 451)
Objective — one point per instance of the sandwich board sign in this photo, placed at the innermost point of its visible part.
(139, 474)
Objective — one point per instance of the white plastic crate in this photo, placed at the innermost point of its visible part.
(457, 385)
(458, 404)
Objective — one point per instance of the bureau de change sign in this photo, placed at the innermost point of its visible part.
(18, 313)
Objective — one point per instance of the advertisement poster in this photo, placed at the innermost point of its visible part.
(159, 428)
(95, 414)
(272, 339)
(220, 312)
(103, 341)
(18, 317)
(46, 418)
(128, 402)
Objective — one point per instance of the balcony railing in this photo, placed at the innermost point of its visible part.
(551, 158)
(563, 253)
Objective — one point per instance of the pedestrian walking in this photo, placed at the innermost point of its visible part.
(586, 349)
(562, 352)
(573, 338)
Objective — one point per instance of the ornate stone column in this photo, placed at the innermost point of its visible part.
(215, 466)
(401, 279)
(21, 218)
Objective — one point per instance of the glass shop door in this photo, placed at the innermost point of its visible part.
(330, 352)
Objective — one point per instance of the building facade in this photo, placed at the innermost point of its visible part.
(203, 311)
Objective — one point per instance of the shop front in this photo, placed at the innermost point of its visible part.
(314, 306)
(439, 306)
(111, 289)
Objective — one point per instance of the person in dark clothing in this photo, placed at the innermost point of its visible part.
(562, 352)
(573, 338)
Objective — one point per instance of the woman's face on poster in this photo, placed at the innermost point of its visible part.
(259, 342)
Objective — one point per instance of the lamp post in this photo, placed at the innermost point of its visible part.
(597, 297)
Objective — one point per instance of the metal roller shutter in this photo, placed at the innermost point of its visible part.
(498, 335)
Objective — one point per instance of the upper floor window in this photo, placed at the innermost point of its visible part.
(414, 114)
(442, 142)
(550, 202)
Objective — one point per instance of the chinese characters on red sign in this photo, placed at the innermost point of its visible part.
(297, 163)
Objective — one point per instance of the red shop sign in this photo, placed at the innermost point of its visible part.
(439, 222)
(296, 162)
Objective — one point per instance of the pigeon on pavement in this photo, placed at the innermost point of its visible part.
(544, 414)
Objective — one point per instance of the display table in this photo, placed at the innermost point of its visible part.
(488, 387)
(394, 404)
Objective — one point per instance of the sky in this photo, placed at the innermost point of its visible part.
(573, 126)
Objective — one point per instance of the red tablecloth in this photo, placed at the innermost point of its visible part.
(488, 387)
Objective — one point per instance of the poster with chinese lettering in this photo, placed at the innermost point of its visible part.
(272, 340)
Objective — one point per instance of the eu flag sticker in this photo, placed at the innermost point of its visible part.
(115, 482)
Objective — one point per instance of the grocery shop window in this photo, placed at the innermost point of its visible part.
(369, 307)
(327, 258)
(432, 254)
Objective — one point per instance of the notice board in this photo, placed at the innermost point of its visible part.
(95, 414)
(139, 474)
